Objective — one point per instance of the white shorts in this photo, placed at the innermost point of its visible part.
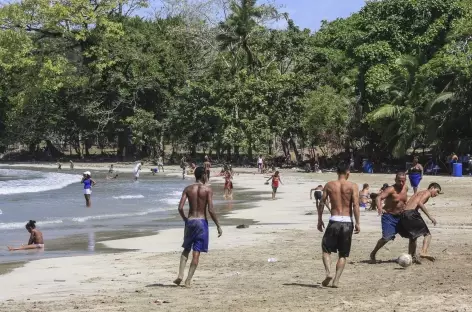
(87, 191)
(136, 174)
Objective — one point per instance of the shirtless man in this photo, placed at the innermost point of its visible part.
(344, 198)
(200, 196)
(413, 225)
(395, 197)
(318, 195)
(207, 166)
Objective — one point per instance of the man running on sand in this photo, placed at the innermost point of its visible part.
(412, 224)
(344, 198)
(318, 191)
(196, 225)
(395, 201)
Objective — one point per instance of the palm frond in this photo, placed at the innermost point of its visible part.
(385, 111)
(441, 98)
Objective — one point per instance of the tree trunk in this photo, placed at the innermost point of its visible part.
(295, 150)
(285, 147)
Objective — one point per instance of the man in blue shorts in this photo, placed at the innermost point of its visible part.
(395, 197)
(196, 224)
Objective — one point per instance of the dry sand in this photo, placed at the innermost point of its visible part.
(236, 276)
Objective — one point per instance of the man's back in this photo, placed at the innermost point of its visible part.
(341, 195)
(197, 195)
(413, 202)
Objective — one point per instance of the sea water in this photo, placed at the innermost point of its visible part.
(56, 201)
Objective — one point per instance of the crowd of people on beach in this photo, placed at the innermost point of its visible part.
(342, 198)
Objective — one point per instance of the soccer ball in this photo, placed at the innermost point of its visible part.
(405, 260)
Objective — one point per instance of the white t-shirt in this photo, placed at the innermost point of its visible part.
(259, 161)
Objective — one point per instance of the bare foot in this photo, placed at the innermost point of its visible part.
(326, 281)
(10, 248)
(372, 259)
(428, 257)
(416, 260)
(178, 281)
(187, 284)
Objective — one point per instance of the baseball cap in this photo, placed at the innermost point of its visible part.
(87, 173)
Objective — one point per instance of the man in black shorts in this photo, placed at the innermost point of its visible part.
(318, 195)
(412, 224)
(344, 198)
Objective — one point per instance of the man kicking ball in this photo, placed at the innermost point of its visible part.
(395, 201)
(412, 224)
(344, 198)
(196, 225)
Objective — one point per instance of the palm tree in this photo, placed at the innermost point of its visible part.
(404, 115)
(237, 30)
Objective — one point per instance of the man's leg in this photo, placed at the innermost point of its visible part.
(339, 270)
(412, 250)
(379, 245)
(424, 250)
(327, 265)
(183, 263)
(193, 267)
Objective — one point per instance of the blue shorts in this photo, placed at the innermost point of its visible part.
(196, 235)
(390, 224)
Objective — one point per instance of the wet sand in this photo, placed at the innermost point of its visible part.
(236, 275)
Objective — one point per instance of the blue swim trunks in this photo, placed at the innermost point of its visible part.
(390, 224)
(196, 235)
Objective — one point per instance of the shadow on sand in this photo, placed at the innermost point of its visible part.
(303, 285)
(163, 286)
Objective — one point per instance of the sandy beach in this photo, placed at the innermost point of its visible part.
(236, 275)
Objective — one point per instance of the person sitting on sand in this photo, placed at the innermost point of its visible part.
(36, 240)
(364, 197)
(412, 225)
(275, 183)
(154, 171)
(373, 197)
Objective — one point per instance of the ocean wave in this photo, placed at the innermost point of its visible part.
(34, 181)
(115, 216)
(170, 201)
(128, 196)
(20, 225)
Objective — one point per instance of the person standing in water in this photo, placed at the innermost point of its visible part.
(136, 170)
(344, 199)
(275, 183)
(200, 196)
(35, 241)
(415, 174)
(71, 165)
(183, 165)
(88, 183)
(412, 225)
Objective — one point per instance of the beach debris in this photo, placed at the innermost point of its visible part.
(309, 213)
(242, 226)
(59, 281)
(272, 260)
(161, 301)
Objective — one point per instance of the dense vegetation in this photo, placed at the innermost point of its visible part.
(393, 77)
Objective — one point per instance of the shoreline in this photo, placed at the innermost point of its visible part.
(237, 262)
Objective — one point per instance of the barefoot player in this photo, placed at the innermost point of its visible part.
(344, 198)
(196, 225)
(412, 224)
(395, 201)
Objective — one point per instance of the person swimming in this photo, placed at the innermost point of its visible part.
(35, 241)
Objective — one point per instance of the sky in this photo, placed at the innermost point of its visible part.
(310, 13)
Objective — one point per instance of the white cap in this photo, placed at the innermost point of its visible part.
(87, 173)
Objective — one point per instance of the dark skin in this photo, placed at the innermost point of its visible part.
(318, 188)
(395, 198)
(417, 201)
(88, 202)
(36, 237)
(200, 199)
(344, 199)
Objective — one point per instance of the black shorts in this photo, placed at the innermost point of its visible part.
(318, 195)
(412, 225)
(338, 238)
(207, 173)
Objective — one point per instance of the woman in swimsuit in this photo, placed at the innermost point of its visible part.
(415, 173)
(364, 197)
(228, 185)
(36, 238)
(275, 183)
(88, 183)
